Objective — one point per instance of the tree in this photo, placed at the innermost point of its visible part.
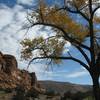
(59, 18)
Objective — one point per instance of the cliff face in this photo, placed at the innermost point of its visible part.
(11, 77)
(8, 63)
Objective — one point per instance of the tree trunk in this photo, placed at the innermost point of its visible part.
(96, 88)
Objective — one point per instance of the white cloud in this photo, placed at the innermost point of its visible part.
(77, 74)
(98, 12)
(11, 21)
(52, 75)
(27, 2)
(5, 17)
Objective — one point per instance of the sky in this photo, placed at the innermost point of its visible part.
(13, 15)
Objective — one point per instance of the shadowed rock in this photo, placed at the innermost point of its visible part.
(8, 63)
(12, 78)
(11, 63)
(2, 62)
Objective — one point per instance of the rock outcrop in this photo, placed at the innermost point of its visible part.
(8, 63)
(11, 77)
(11, 63)
(2, 62)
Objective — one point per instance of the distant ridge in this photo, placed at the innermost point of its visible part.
(62, 87)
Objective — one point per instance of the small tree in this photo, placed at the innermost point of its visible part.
(67, 29)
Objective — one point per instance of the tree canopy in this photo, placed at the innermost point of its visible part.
(66, 28)
(62, 20)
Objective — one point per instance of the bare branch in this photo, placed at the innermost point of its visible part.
(77, 11)
(66, 37)
(95, 10)
(63, 58)
(84, 54)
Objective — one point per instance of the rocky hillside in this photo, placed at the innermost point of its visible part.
(11, 77)
(62, 87)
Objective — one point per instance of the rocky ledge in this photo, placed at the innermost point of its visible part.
(12, 78)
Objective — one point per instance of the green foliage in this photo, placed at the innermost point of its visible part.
(46, 47)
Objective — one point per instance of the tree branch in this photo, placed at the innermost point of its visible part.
(91, 29)
(84, 54)
(72, 40)
(78, 11)
(78, 47)
(63, 58)
(73, 11)
(95, 10)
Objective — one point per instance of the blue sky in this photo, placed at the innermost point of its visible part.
(8, 2)
(12, 17)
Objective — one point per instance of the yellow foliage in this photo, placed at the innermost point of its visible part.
(96, 20)
(79, 3)
(62, 19)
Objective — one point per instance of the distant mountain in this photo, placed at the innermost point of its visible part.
(62, 87)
